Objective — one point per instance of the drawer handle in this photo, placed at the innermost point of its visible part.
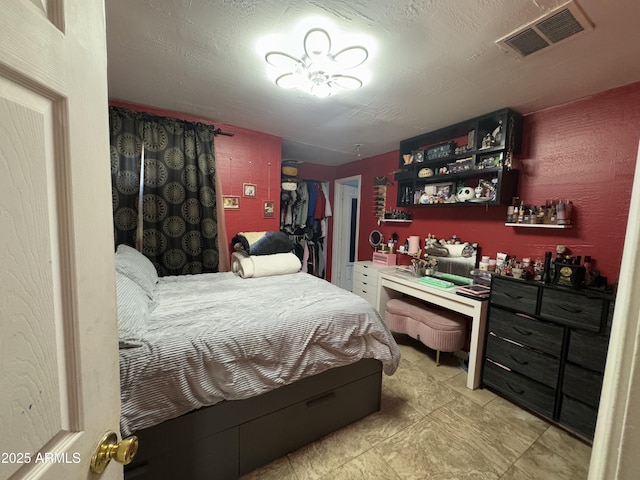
(515, 390)
(514, 297)
(521, 362)
(521, 332)
(321, 399)
(570, 310)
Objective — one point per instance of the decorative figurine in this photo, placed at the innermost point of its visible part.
(465, 193)
(488, 141)
(497, 134)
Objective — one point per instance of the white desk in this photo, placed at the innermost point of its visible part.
(394, 285)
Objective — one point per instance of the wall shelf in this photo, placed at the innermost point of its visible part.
(537, 225)
(395, 220)
(476, 153)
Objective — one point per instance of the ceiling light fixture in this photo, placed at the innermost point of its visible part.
(318, 71)
(358, 147)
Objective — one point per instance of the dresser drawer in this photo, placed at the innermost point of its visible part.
(578, 416)
(520, 389)
(573, 310)
(542, 336)
(582, 384)
(588, 349)
(366, 273)
(368, 278)
(513, 294)
(368, 292)
(537, 366)
(366, 267)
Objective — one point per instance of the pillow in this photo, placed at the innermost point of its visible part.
(133, 308)
(137, 267)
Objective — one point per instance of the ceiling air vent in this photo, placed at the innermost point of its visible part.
(552, 28)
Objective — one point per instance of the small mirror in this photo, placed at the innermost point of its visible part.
(375, 238)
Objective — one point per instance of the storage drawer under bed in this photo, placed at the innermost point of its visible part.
(186, 458)
(283, 431)
(232, 438)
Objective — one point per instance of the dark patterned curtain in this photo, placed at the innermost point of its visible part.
(180, 211)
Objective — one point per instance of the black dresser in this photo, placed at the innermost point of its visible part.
(546, 349)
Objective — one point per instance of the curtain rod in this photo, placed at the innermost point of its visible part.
(218, 131)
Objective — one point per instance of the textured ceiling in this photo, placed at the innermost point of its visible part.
(435, 63)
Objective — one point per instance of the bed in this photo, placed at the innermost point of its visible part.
(225, 373)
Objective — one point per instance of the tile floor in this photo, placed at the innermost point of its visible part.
(432, 427)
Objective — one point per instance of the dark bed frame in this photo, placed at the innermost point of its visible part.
(232, 438)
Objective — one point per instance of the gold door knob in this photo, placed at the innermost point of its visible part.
(109, 448)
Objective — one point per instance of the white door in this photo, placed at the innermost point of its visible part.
(59, 387)
(346, 226)
(617, 438)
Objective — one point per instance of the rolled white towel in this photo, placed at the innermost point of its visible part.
(265, 265)
(241, 265)
(235, 260)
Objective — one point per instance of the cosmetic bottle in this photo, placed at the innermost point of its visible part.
(547, 267)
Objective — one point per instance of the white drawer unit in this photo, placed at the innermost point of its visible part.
(365, 281)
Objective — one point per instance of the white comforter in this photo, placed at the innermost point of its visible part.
(218, 336)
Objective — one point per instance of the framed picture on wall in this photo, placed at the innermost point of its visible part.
(249, 189)
(231, 202)
(268, 210)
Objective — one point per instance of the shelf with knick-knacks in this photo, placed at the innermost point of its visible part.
(537, 225)
(396, 216)
(469, 163)
(557, 214)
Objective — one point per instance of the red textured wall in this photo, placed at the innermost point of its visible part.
(247, 157)
(584, 151)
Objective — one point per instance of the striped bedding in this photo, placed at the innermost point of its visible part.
(218, 336)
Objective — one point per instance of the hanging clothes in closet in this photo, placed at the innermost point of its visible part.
(304, 214)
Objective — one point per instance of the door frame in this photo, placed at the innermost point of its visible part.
(617, 438)
(60, 374)
(341, 222)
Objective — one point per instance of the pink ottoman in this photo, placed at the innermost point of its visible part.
(439, 329)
